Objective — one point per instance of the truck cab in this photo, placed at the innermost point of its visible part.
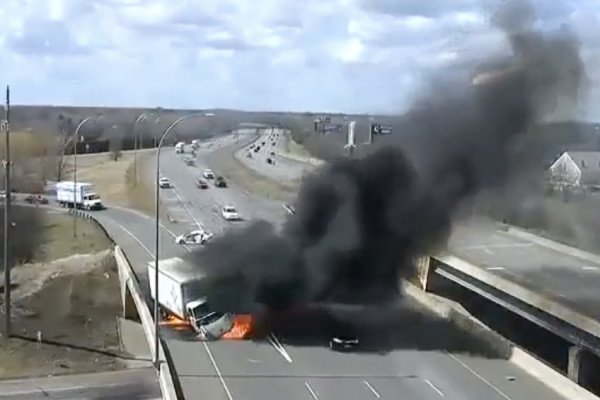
(210, 325)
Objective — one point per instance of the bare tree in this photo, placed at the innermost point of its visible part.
(64, 141)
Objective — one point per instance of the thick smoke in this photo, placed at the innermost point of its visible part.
(360, 222)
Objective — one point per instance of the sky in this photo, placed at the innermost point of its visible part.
(311, 55)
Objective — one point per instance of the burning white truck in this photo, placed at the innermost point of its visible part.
(80, 195)
(183, 294)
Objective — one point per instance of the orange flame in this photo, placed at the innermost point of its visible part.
(242, 327)
(176, 323)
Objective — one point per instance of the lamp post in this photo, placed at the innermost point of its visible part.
(76, 138)
(7, 165)
(157, 224)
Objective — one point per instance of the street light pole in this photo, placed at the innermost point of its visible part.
(76, 134)
(6, 260)
(156, 235)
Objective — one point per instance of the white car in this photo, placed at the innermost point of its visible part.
(164, 183)
(209, 174)
(230, 213)
(194, 237)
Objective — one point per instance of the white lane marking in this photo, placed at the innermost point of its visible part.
(372, 389)
(488, 250)
(144, 216)
(589, 268)
(279, 347)
(139, 241)
(218, 371)
(427, 381)
(495, 268)
(312, 392)
(134, 237)
(187, 209)
(478, 376)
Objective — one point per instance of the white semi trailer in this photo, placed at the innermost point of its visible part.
(80, 195)
(182, 292)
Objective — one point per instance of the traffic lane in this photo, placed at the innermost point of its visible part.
(284, 170)
(511, 380)
(189, 358)
(566, 278)
(205, 204)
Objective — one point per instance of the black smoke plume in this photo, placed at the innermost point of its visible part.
(360, 222)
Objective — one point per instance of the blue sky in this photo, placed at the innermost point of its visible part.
(310, 55)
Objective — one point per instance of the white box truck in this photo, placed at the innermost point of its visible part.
(180, 148)
(182, 291)
(80, 195)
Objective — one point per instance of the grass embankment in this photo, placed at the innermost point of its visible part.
(116, 181)
(65, 303)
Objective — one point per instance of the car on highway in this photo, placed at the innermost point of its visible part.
(36, 199)
(201, 184)
(343, 343)
(230, 213)
(220, 182)
(208, 174)
(164, 183)
(194, 237)
(290, 209)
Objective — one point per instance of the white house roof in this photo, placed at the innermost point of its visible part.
(588, 163)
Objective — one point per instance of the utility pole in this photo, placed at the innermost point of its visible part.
(7, 162)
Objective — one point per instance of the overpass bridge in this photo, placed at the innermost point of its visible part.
(551, 284)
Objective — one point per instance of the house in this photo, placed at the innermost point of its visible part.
(577, 169)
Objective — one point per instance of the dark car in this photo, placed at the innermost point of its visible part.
(343, 343)
(220, 182)
(269, 160)
(36, 199)
(256, 149)
(200, 183)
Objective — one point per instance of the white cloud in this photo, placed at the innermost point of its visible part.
(343, 55)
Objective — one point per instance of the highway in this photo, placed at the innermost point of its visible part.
(565, 278)
(258, 370)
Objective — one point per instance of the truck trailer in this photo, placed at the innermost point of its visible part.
(183, 291)
(80, 195)
(180, 148)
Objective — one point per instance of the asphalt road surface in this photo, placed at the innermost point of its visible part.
(275, 368)
(136, 384)
(283, 169)
(564, 277)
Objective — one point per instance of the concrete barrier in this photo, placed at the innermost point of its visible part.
(454, 312)
(134, 305)
(531, 297)
(127, 275)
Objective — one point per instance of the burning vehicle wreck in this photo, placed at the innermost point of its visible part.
(184, 298)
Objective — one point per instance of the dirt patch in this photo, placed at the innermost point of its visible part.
(71, 304)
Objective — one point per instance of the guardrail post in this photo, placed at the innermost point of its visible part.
(422, 266)
(574, 363)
